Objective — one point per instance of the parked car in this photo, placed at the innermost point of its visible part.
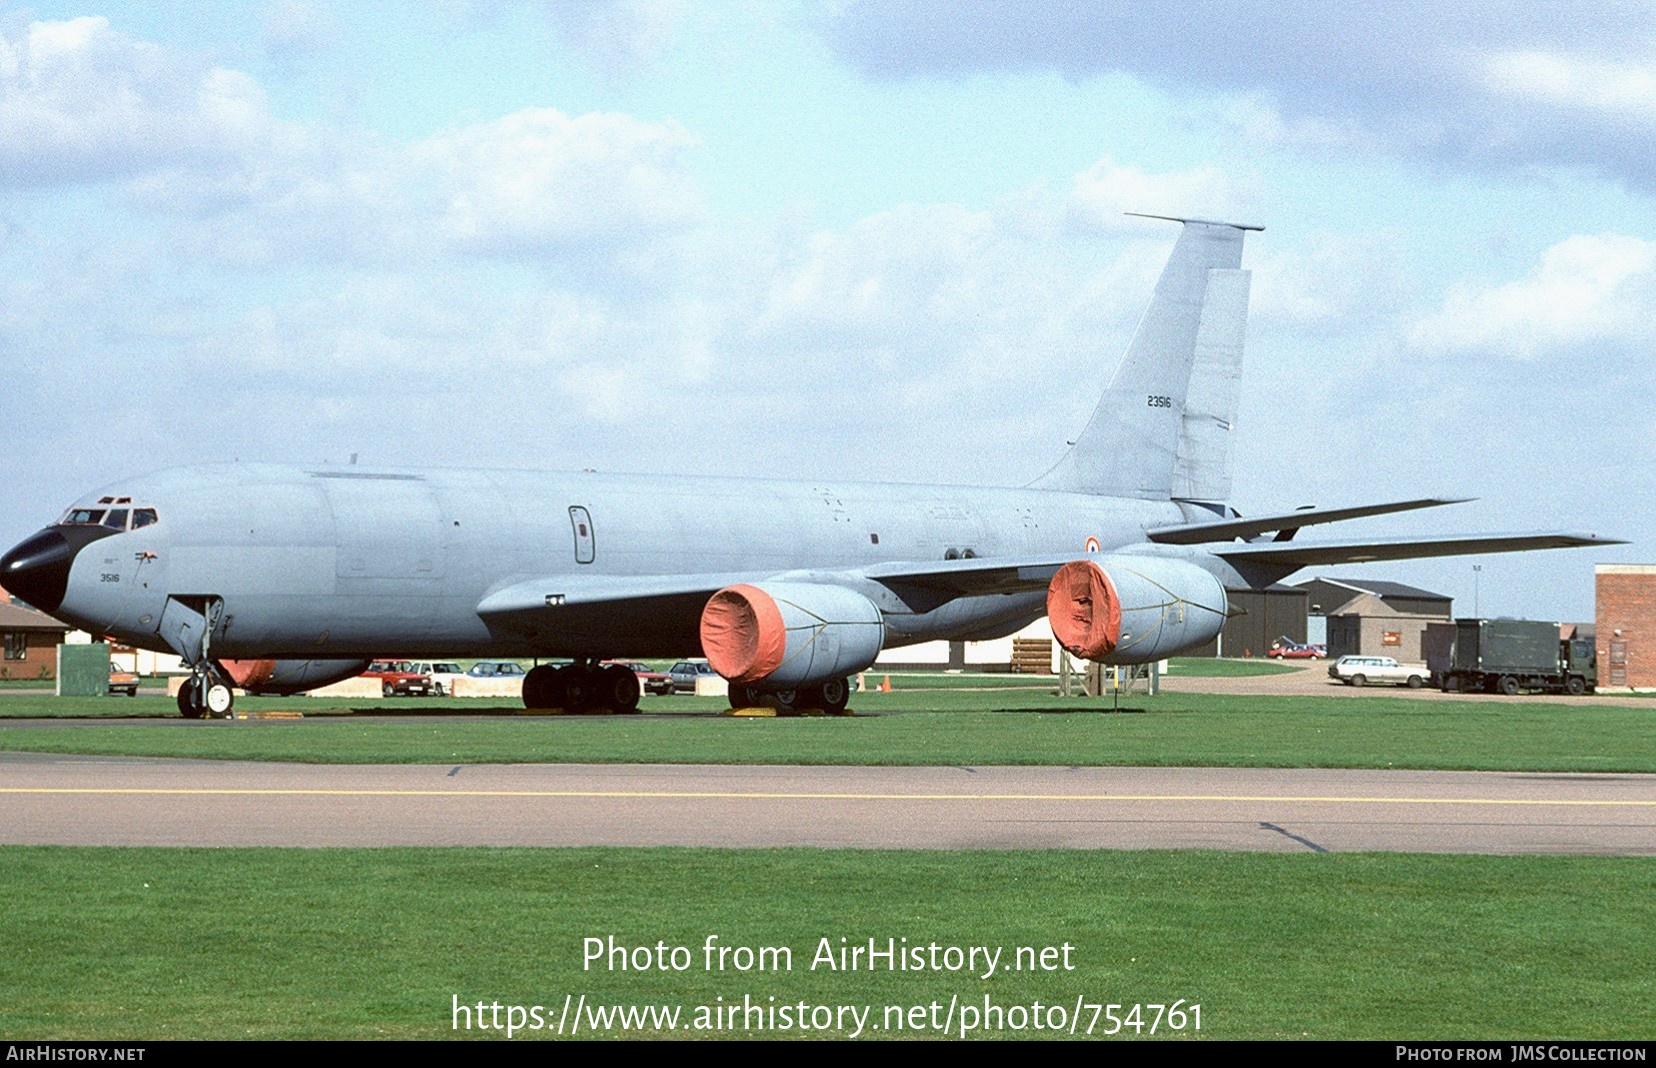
(1362, 670)
(683, 675)
(496, 669)
(1286, 648)
(122, 681)
(651, 680)
(441, 672)
(399, 678)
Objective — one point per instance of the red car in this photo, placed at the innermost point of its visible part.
(649, 680)
(399, 678)
(1286, 648)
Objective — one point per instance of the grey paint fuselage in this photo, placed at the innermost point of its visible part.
(349, 562)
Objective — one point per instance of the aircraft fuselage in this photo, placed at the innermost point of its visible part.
(349, 562)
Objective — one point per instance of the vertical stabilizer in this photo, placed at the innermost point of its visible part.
(1202, 469)
(1130, 445)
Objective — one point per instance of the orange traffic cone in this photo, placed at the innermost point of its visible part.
(885, 684)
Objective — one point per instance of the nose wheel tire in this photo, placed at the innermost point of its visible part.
(218, 700)
(187, 706)
(212, 701)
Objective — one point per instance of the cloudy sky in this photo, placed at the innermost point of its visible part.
(862, 240)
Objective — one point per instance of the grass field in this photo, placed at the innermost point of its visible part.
(141, 943)
(961, 727)
(233, 943)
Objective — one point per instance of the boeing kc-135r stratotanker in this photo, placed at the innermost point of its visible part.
(282, 578)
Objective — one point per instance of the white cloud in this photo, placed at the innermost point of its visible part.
(1576, 83)
(887, 274)
(80, 101)
(1586, 288)
(295, 28)
(1408, 77)
(1343, 282)
(619, 36)
(540, 177)
(1101, 195)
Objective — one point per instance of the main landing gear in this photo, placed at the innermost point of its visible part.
(583, 687)
(830, 697)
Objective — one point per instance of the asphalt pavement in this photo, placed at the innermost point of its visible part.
(75, 800)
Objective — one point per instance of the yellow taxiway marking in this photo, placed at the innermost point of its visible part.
(713, 795)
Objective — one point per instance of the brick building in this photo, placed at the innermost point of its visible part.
(1625, 624)
(28, 641)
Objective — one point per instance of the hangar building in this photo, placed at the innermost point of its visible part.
(1373, 618)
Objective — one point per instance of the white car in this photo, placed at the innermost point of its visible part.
(1362, 670)
(442, 672)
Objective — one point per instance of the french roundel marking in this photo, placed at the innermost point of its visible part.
(1092, 545)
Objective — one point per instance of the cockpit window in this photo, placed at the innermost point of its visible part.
(113, 518)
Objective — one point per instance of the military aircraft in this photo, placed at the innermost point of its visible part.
(279, 578)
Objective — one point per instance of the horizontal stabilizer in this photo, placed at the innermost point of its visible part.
(1227, 529)
(1291, 556)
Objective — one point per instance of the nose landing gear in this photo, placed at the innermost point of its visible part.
(187, 624)
(204, 697)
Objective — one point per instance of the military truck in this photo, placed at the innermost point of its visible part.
(1512, 655)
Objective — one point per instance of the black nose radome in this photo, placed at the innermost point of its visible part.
(37, 570)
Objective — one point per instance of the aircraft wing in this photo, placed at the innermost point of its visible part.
(1285, 524)
(613, 611)
(660, 615)
(1291, 556)
(642, 612)
(974, 576)
(572, 596)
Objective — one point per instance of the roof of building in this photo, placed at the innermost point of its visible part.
(1275, 587)
(15, 617)
(1379, 589)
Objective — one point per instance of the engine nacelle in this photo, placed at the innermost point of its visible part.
(284, 677)
(1133, 609)
(790, 634)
